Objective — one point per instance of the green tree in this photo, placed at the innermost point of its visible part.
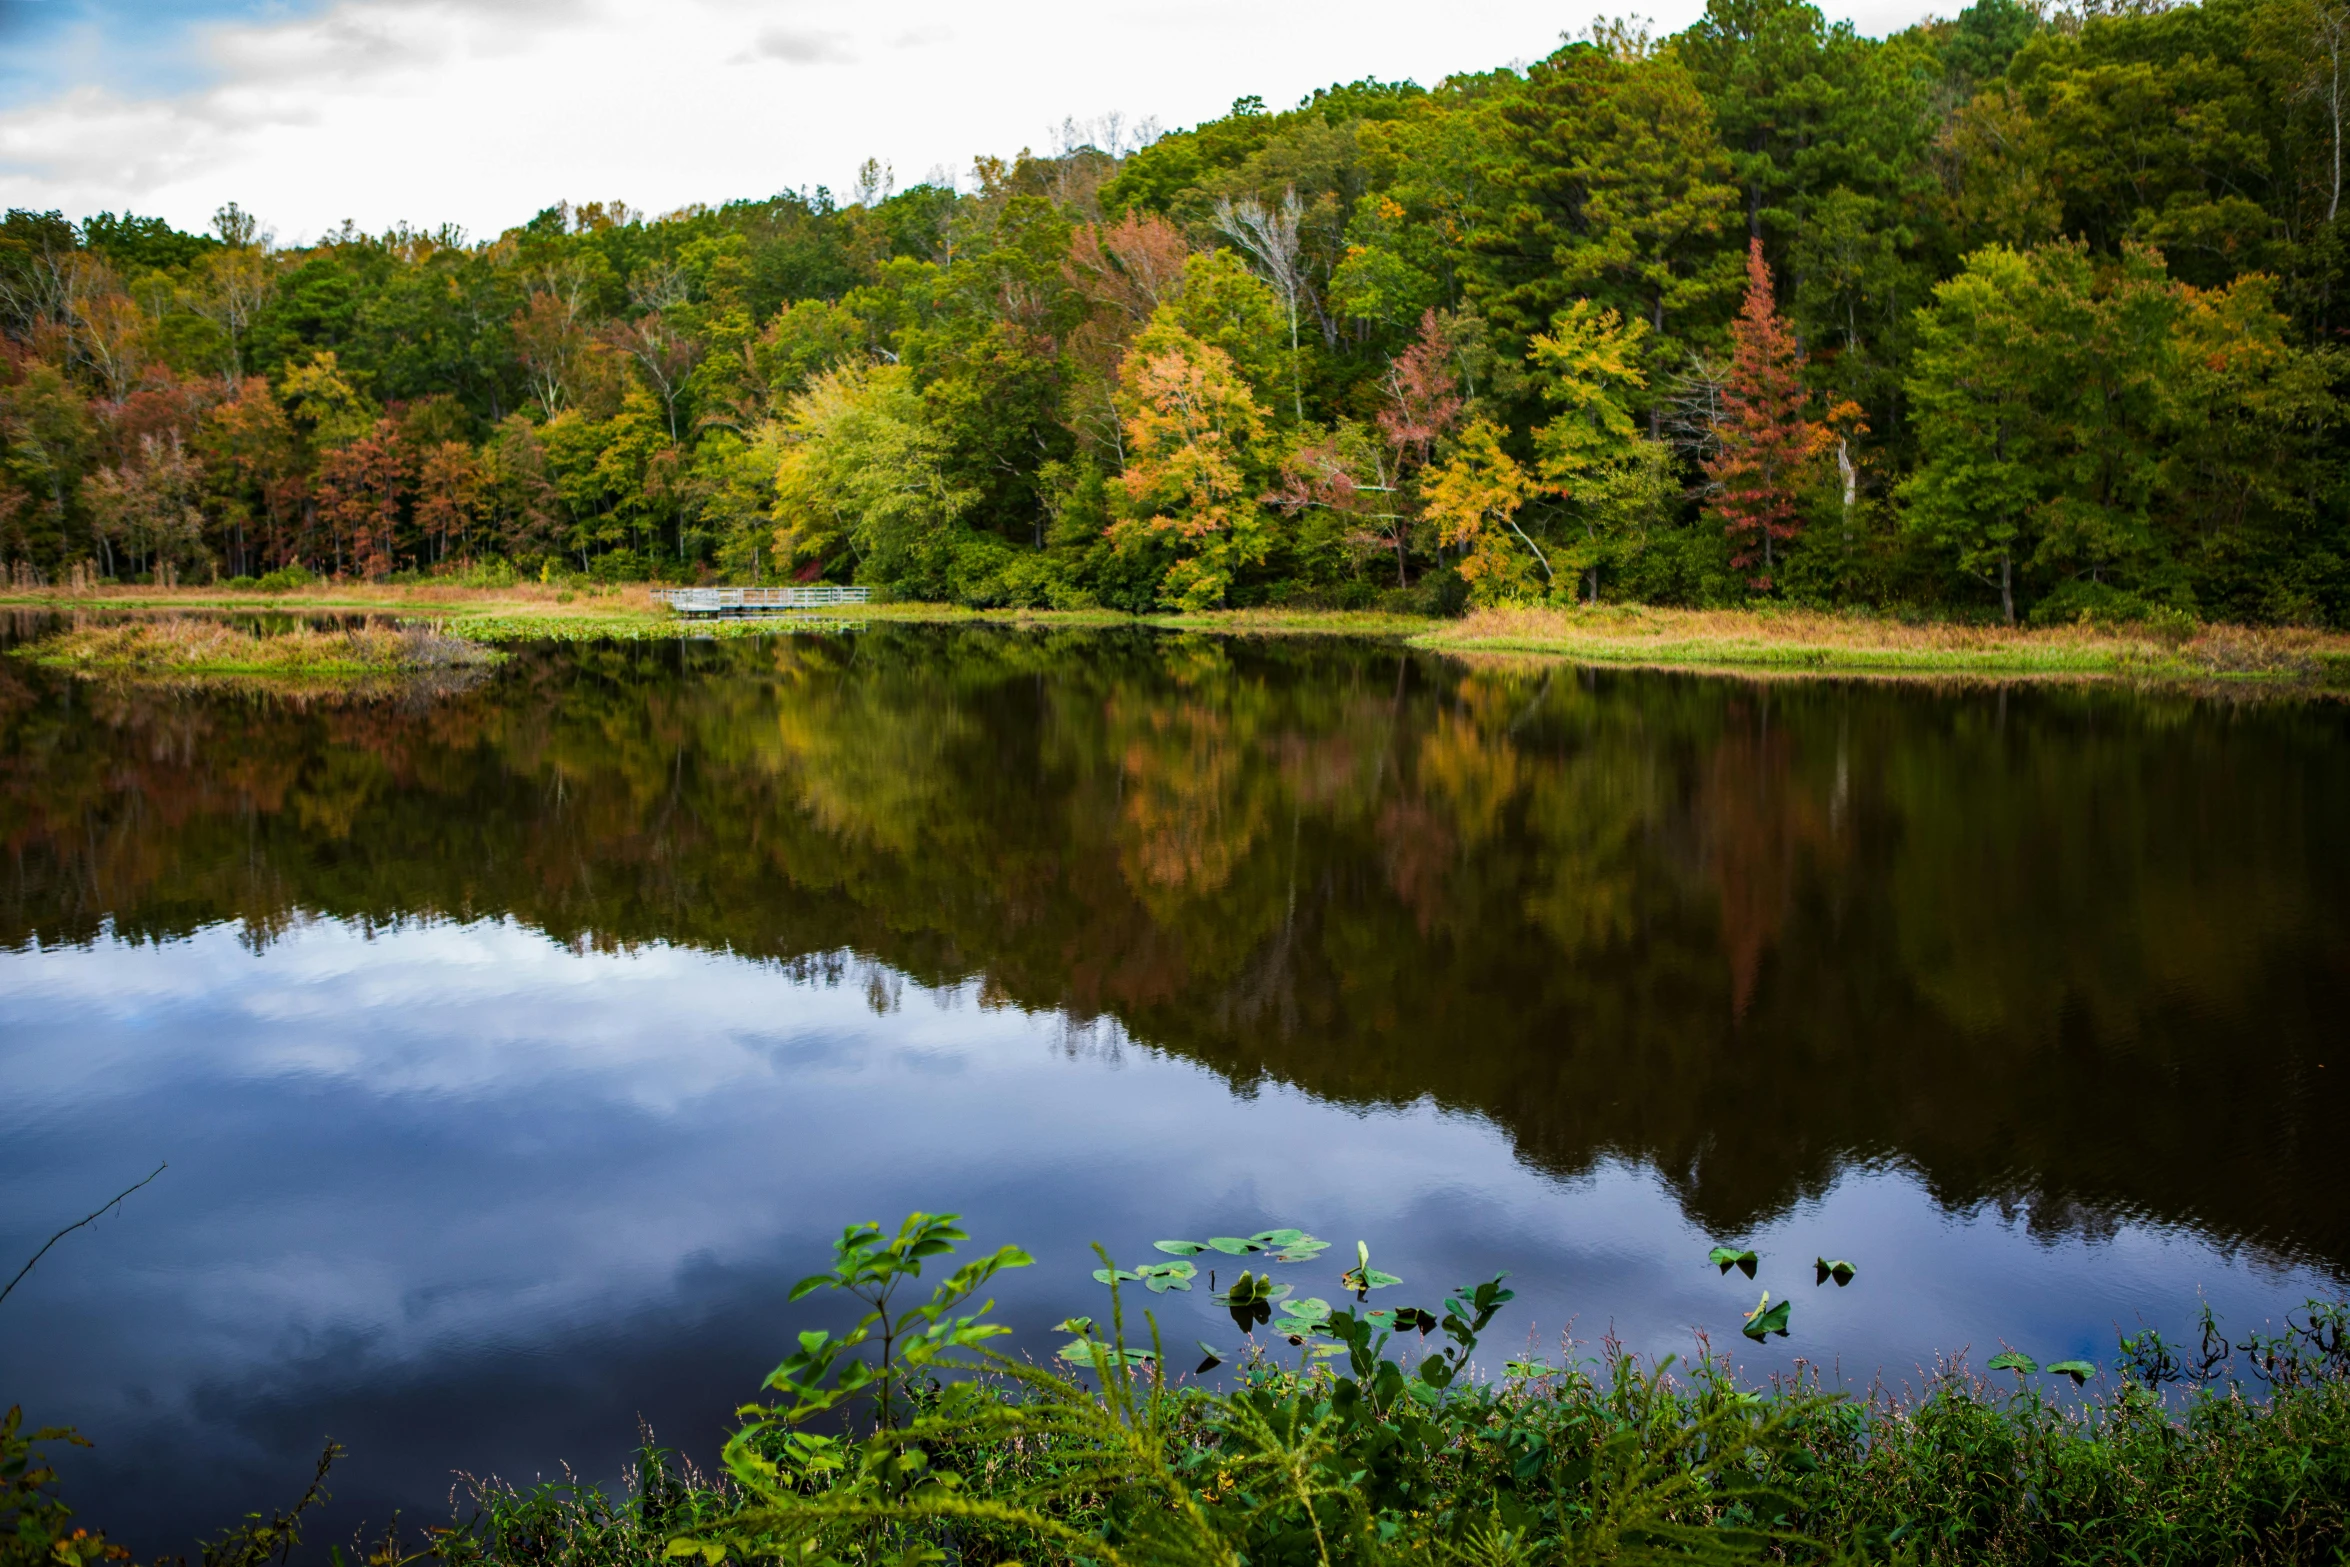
(1591, 453)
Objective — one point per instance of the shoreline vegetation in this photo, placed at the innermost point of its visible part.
(1366, 1435)
(300, 656)
(1755, 642)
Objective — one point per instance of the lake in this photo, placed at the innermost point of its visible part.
(514, 1050)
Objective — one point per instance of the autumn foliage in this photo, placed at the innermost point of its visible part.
(1767, 443)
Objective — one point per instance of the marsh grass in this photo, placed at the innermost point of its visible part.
(205, 646)
(1804, 641)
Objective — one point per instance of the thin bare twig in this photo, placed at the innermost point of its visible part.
(77, 1224)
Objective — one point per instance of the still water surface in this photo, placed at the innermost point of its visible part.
(514, 1051)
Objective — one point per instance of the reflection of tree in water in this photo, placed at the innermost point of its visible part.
(2074, 953)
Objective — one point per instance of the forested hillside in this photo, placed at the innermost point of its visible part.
(2024, 314)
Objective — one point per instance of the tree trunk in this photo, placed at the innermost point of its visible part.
(2007, 587)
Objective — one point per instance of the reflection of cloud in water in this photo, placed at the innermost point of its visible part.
(440, 1166)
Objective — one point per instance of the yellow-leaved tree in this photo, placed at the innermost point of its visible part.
(1473, 497)
(1195, 464)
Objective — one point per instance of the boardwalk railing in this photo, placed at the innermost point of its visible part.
(758, 601)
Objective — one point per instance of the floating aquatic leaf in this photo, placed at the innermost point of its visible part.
(1079, 1325)
(1161, 1277)
(1181, 1248)
(1841, 1271)
(1233, 1245)
(1766, 1319)
(2014, 1360)
(1278, 1238)
(1081, 1351)
(1725, 1258)
(1301, 1251)
(2079, 1370)
(1215, 1358)
(1119, 1275)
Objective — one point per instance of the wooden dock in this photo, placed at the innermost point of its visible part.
(727, 602)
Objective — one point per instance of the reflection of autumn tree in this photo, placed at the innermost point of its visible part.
(1620, 915)
(1756, 820)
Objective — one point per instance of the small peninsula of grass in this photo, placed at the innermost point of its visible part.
(200, 647)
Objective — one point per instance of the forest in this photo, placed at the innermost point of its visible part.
(2028, 315)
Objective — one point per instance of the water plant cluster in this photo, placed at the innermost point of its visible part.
(1357, 1435)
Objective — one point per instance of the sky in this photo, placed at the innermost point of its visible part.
(481, 112)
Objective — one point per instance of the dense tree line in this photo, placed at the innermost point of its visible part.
(2028, 314)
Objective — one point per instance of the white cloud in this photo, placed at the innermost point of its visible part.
(799, 46)
(429, 110)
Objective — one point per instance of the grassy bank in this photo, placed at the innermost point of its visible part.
(1780, 642)
(1368, 1436)
(204, 648)
(1802, 642)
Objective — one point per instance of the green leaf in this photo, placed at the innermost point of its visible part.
(1766, 1319)
(1120, 1275)
(1181, 1248)
(1841, 1271)
(1301, 1251)
(2014, 1360)
(1276, 1238)
(1215, 1358)
(1074, 1325)
(1081, 1352)
(1233, 1245)
(1725, 1258)
(2079, 1370)
(1161, 1277)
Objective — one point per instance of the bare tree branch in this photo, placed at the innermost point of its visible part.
(77, 1224)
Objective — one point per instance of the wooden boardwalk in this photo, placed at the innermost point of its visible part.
(758, 601)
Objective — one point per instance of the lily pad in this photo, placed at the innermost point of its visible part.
(1181, 1248)
(1161, 1277)
(1215, 1358)
(1081, 1352)
(1725, 1258)
(1233, 1245)
(1841, 1271)
(1274, 1239)
(1301, 1251)
(2079, 1370)
(2014, 1360)
(1114, 1275)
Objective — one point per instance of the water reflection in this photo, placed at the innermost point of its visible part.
(1117, 936)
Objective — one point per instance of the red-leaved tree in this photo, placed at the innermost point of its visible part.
(1767, 442)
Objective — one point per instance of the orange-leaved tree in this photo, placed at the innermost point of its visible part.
(1767, 441)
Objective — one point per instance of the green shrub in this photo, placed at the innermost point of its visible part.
(285, 579)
